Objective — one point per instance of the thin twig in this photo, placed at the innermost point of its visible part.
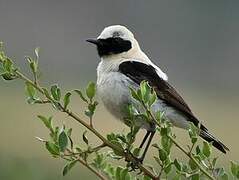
(35, 78)
(192, 158)
(42, 101)
(89, 127)
(178, 145)
(191, 149)
(160, 172)
(97, 148)
(99, 175)
(91, 122)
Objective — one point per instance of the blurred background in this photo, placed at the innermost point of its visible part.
(195, 42)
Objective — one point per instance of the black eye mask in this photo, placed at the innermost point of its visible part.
(111, 46)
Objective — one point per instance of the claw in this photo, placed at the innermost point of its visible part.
(134, 164)
(140, 171)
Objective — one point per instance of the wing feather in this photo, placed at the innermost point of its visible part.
(138, 72)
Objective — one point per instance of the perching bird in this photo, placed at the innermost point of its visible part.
(124, 65)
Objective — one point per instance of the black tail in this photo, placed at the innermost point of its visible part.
(210, 138)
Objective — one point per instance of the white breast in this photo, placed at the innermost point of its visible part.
(113, 89)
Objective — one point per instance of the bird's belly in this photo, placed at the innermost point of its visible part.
(115, 95)
(171, 114)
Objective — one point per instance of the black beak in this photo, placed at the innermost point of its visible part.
(93, 41)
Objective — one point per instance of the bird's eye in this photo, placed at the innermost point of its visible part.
(116, 34)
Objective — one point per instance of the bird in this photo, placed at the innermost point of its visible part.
(123, 65)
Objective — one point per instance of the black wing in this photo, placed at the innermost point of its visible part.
(138, 72)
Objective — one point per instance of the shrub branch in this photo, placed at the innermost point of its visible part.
(89, 127)
(121, 145)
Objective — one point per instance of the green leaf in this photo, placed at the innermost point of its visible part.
(164, 131)
(193, 132)
(139, 94)
(47, 121)
(195, 177)
(55, 134)
(201, 156)
(109, 170)
(56, 92)
(194, 139)
(178, 165)
(152, 98)
(2, 71)
(8, 76)
(63, 141)
(81, 95)
(158, 116)
(177, 177)
(192, 164)
(68, 167)
(99, 161)
(235, 169)
(162, 154)
(111, 137)
(33, 66)
(90, 90)
(2, 55)
(166, 143)
(198, 150)
(85, 139)
(168, 168)
(67, 100)
(136, 152)
(46, 93)
(134, 94)
(117, 173)
(119, 145)
(37, 50)
(206, 149)
(124, 174)
(31, 91)
(52, 148)
(91, 107)
(8, 65)
(145, 91)
(146, 178)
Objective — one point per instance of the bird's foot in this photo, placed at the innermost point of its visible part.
(134, 162)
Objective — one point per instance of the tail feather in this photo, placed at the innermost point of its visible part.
(206, 135)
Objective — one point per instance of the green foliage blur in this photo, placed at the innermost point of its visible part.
(61, 145)
(195, 42)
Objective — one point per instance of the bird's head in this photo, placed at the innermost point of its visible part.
(115, 40)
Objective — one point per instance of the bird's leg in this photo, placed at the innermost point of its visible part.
(142, 143)
(141, 159)
(144, 140)
(134, 165)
